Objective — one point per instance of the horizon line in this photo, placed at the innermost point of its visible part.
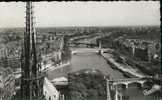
(84, 26)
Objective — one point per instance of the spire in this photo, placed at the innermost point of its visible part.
(30, 84)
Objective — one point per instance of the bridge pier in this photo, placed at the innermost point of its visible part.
(142, 84)
(99, 52)
(126, 84)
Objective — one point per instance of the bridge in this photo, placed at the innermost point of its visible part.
(60, 83)
(114, 82)
(89, 50)
(128, 81)
(86, 44)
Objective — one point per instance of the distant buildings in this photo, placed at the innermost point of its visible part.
(10, 58)
(7, 83)
(9, 63)
(10, 50)
(54, 50)
(146, 50)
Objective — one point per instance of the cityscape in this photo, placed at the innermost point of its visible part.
(116, 62)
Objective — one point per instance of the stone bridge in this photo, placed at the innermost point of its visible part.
(89, 50)
(126, 82)
(116, 82)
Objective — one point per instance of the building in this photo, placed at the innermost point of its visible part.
(146, 50)
(49, 91)
(7, 83)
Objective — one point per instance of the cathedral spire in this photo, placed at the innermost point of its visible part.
(30, 84)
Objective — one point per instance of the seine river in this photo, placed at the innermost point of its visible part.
(95, 61)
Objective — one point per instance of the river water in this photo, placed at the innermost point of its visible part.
(95, 61)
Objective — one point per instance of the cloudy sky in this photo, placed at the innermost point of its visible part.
(52, 14)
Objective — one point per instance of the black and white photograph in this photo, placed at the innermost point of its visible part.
(78, 50)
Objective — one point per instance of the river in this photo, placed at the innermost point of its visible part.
(95, 61)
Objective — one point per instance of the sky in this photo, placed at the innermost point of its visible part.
(53, 14)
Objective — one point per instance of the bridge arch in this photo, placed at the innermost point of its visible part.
(138, 84)
(120, 85)
(147, 84)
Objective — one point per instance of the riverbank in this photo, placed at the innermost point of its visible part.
(59, 71)
(50, 67)
(122, 67)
